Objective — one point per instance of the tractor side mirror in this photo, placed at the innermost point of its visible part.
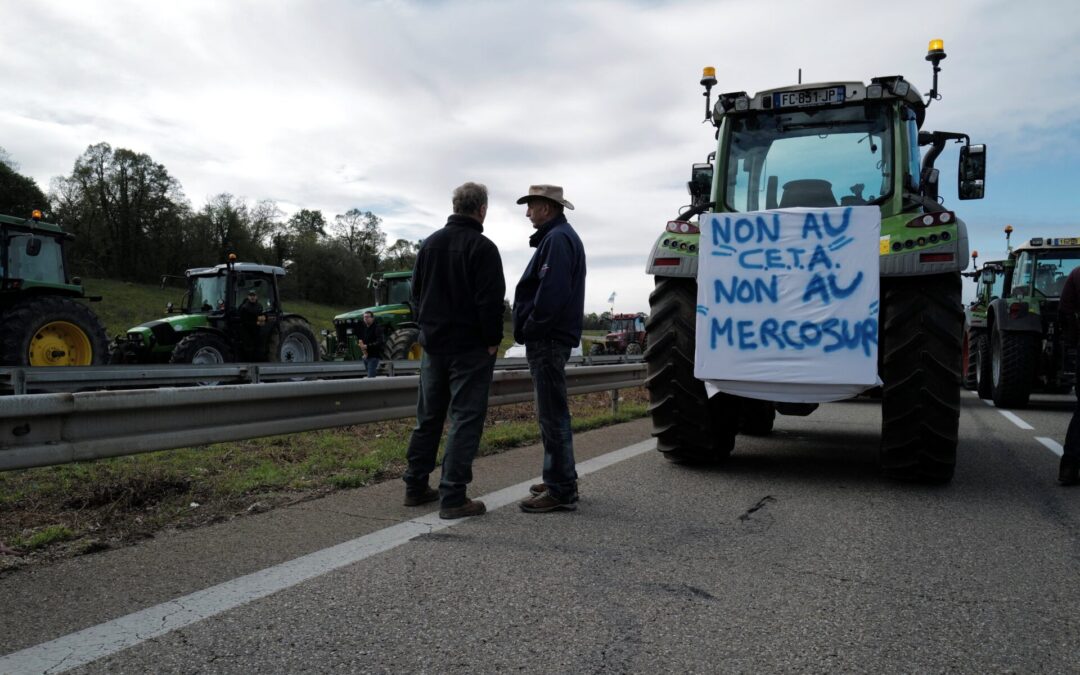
(987, 277)
(33, 246)
(700, 185)
(972, 175)
(168, 308)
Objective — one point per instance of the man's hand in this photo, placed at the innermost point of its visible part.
(493, 350)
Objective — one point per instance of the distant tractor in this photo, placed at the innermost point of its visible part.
(393, 291)
(208, 327)
(42, 321)
(989, 284)
(627, 336)
(1024, 347)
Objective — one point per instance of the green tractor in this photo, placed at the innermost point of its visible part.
(208, 328)
(1023, 347)
(42, 321)
(393, 291)
(792, 147)
(989, 285)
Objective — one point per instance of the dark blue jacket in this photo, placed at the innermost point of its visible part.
(458, 289)
(549, 302)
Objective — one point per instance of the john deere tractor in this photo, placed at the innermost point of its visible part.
(208, 327)
(394, 313)
(42, 321)
(830, 144)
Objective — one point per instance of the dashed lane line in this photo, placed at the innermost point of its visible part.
(96, 642)
(1009, 415)
(1051, 444)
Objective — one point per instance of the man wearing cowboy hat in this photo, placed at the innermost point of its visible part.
(549, 306)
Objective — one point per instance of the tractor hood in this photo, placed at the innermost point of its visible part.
(383, 313)
(165, 332)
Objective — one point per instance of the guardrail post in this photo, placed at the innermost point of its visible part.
(614, 401)
(253, 373)
(18, 381)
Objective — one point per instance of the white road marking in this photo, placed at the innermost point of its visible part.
(1051, 444)
(1009, 415)
(95, 642)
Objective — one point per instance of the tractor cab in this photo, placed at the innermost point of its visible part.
(32, 256)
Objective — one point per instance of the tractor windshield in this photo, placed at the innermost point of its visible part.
(1047, 269)
(816, 158)
(207, 294)
(398, 291)
(43, 261)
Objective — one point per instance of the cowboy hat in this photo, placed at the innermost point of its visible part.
(552, 192)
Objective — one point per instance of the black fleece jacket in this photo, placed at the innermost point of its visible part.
(549, 302)
(458, 289)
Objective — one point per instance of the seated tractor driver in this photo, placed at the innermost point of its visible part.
(251, 320)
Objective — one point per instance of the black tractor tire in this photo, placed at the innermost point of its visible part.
(921, 339)
(29, 326)
(688, 426)
(633, 349)
(971, 379)
(1013, 357)
(293, 342)
(984, 372)
(203, 349)
(757, 417)
(403, 344)
(597, 349)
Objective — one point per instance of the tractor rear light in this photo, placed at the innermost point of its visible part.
(666, 262)
(931, 219)
(682, 227)
(935, 257)
(13, 284)
(1018, 309)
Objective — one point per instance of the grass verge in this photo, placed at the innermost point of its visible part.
(56, 512)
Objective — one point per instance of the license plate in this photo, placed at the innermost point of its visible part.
(1067, 241)
(808, 97)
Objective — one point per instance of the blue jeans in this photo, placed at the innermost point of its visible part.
(547, 365)
(457, 383)
(372, 365)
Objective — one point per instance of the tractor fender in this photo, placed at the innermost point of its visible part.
(687, 264)
(999, 318)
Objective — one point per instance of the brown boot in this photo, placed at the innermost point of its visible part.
(429, 495)
(540, 488)
(547, 502)
(471, 507)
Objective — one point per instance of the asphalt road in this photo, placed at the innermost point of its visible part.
(794, 556)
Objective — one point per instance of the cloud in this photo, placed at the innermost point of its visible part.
(388, 106)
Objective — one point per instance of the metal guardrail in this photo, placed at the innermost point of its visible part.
(42, 379)
(47, 429)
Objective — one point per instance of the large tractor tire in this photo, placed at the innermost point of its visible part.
(633, 349)
(52, 331)
(921, 340)
(294, 342)
(757, 417)
(1013, 357)
(203, 349)
(971, 376)
(404, 344)
(688, 426)
(984, 372)
(597, 349)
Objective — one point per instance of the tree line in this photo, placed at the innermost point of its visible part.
(132, 222)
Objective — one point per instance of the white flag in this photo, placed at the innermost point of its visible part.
(612, 298)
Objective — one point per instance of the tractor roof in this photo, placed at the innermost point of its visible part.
(239, 267)
(29, 224)
(880, 88)
(629, 316)
(397, 275)
(1048, 243)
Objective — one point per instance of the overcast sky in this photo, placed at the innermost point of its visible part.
(387, 106)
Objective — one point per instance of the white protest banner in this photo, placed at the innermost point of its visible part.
(788, 302)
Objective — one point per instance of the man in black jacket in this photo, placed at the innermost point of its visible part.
(549, 306)
(371, 342)
(457, 296)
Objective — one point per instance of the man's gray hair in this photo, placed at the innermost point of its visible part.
(469, 198)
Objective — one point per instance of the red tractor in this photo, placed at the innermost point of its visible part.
(627, 336)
